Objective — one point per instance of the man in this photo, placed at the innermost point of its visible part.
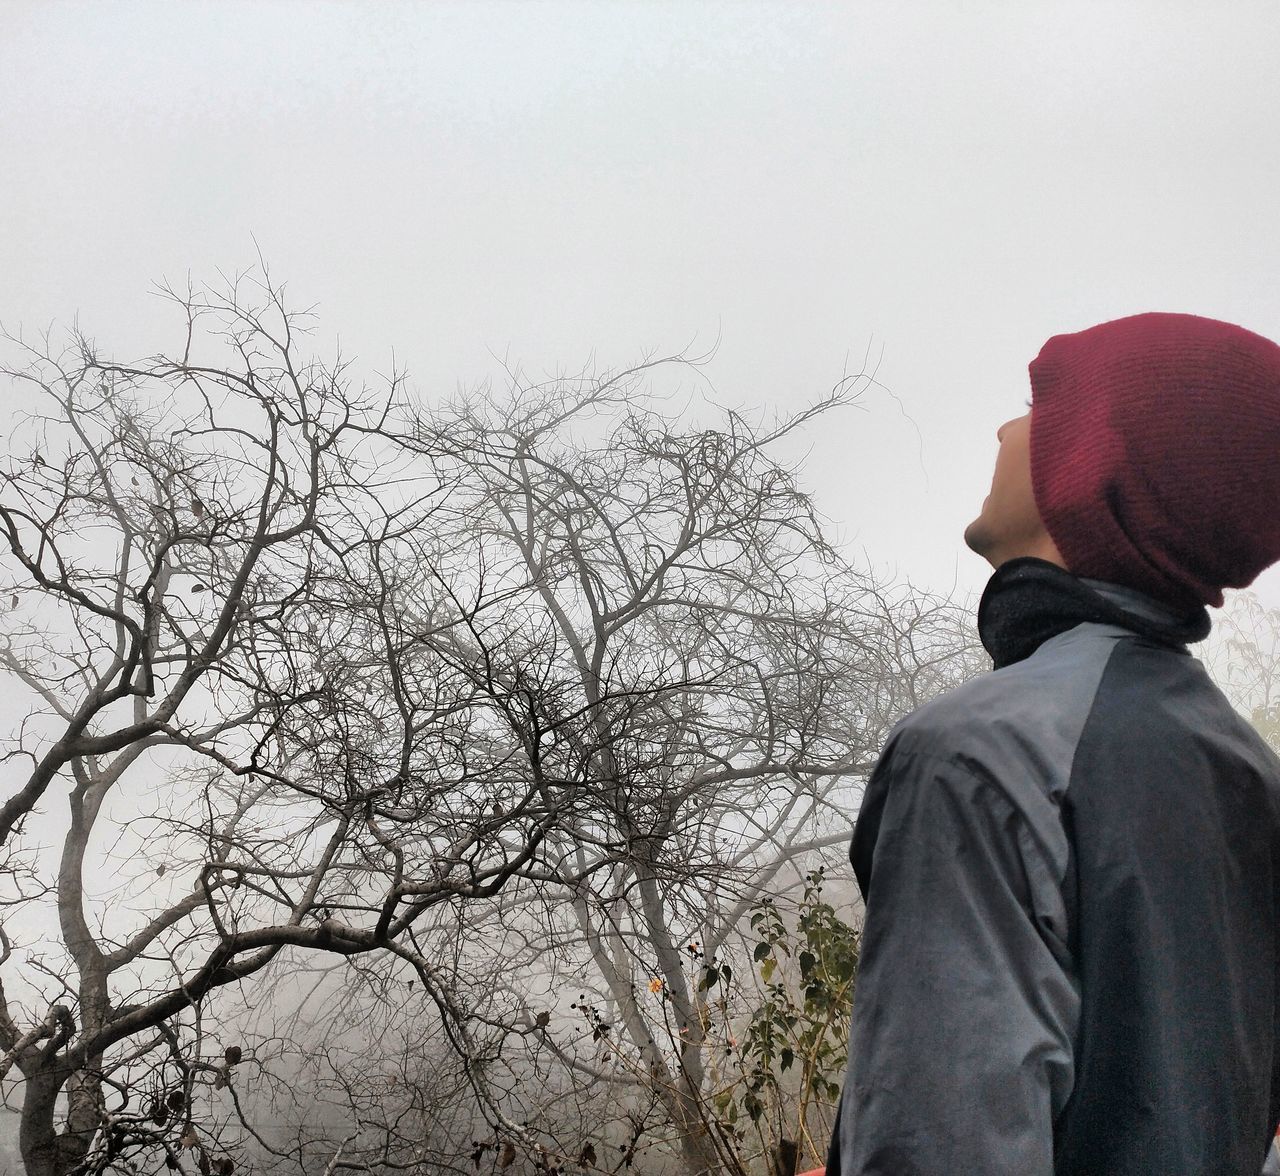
(1071, 865)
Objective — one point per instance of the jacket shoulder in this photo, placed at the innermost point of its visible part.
(1020, 724)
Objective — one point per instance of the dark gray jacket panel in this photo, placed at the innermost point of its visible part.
(1173, 808)
(1069, 958)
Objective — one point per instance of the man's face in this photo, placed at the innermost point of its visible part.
(1009, 524)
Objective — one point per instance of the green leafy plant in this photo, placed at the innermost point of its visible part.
(794, 1044)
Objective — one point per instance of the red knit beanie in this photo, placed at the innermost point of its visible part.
(1155, 454)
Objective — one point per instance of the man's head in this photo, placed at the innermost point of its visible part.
(1150, 457)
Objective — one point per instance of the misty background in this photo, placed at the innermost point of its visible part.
(796, 193)
(939, 186)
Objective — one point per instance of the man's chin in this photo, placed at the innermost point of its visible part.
(978, 539)
(973, 537)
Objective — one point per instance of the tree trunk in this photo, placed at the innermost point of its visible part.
(43, 1152)
(700, 1155)
(786, 1158)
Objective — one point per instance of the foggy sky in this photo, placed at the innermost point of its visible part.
(945, 185)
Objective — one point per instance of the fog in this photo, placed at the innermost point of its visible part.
(940, 186)
(904, 201)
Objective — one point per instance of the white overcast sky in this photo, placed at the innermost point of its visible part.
(945, 183)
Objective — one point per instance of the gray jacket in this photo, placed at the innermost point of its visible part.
(1071, 866)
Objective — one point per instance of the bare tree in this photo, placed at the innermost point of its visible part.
(468, 701)
(1242, 653)
(718, 678)
(261, 707)
(706, 674)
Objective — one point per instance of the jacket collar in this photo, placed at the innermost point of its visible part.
(1028, 600)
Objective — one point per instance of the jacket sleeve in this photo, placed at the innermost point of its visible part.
(965, 1007)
